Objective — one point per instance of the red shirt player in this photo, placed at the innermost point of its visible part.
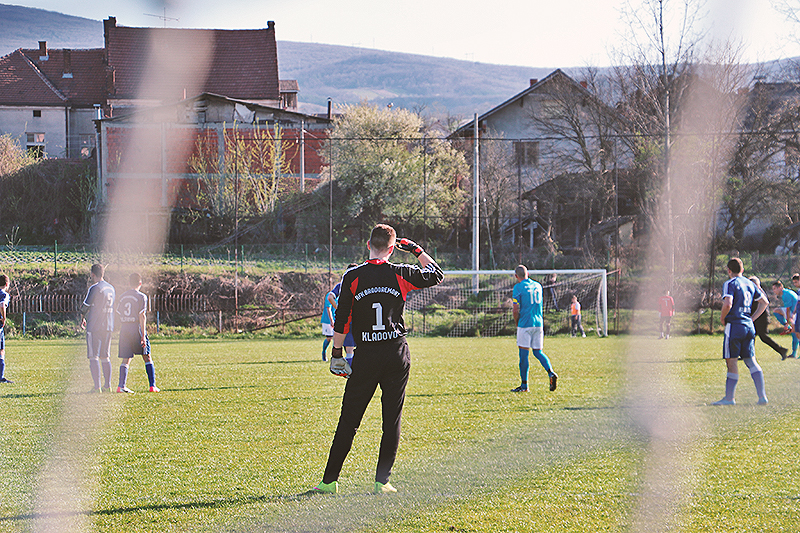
(666, 307)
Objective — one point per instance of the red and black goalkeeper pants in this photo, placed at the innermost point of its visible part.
(385, 365)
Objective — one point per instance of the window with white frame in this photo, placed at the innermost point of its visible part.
(35, 144)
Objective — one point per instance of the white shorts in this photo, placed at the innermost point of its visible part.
(530, 338)
(327, 330)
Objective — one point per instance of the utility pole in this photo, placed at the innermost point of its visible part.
(476, 226)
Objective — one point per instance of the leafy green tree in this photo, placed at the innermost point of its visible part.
(386, 169)
(12, 156)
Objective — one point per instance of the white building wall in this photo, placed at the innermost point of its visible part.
(20, 121)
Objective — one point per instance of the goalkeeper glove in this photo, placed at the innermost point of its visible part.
(407, 245)
(339, 366)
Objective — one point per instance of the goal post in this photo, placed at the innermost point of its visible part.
(478, 302)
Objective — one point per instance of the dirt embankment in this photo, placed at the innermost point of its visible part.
(295, 290)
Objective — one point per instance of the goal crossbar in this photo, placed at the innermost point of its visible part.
(490, 299)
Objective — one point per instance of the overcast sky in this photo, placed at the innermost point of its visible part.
(535, 33)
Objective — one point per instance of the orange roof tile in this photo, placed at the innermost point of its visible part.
(238, 63)
(22, 83)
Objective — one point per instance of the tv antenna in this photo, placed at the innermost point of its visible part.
(163, 17)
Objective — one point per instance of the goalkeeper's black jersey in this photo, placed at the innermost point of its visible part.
(373, 296)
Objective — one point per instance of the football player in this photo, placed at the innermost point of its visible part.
(738, 294)
(98, 320)
(133, 339)
(371, 304)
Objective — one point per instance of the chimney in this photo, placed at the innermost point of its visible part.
(534, 81)
(584, 84)
(271, 25)
(43, 51)
(108, 24)
(67, 63)
(111, 88)
(329, 108)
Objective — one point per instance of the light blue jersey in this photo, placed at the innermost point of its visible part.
(527, 295)
(790, 299)
(326, 318)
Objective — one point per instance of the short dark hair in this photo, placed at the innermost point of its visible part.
(98, 270)
(735, 265)
(135, 279)
(795, 276)
(3, 280)
(777, 284)
(521, 271)
(383, 237)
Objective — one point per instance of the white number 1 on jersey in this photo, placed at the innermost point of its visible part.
(379, 326)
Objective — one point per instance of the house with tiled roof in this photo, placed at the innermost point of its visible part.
(536, 131)
(49, 99)
(156, 66)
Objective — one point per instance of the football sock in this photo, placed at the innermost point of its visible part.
(758, 376)
(123, 375)
(94, 367)
(540, 355)
(2, 368)
(795, 342)
(730, 385)
(523, 365)
(151, 373)
(325, 344)
(107, 374)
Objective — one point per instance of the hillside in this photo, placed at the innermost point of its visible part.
(24, 27)
(440, 85)
(343, 73)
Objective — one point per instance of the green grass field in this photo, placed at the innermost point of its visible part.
(242, 428)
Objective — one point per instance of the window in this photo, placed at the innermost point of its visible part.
(527, 153)
(35, 144)
(37, 113)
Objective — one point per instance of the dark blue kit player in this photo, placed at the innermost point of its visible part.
(98, 319)
(738, 295)
(133, 340)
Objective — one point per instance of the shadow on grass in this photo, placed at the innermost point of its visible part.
(32, 395)
(226, 387)
(230, 502)
(441, 394)
(301, 361)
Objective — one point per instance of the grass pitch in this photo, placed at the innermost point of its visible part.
(242, 428)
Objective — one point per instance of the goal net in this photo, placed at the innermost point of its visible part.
(478, 303)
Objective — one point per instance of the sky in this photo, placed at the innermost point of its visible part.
(533, 33)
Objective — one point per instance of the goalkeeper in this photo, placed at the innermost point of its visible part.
(371, 304)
